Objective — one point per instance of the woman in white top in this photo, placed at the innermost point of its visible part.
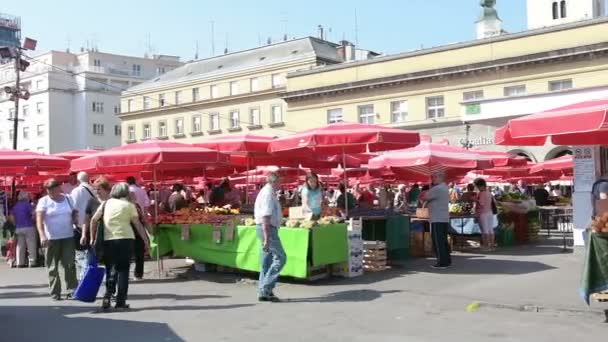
(55, 219)
(483, 211)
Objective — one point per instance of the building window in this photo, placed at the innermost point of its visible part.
(560, 85)
(435, 107)
(146, 102)
(160, 71)
(129, 105)
(11, 113)
(399, 111)
(562, 6)
(97, 62)
(117, 109)
(39, 107)
(254, 84)
(195, 94)
(234, 88)
(40, 131)
(214, 91)
(147, 132)
(334, 116)
(131, 133)
(235, 121)
(162, 129)
(277, 80)
(11, 135)
(366, 114)
(161, 100)
(98, 129)
(197, 124)
(254, 117)
(97, 107)
(39, 84)
(117, 130)
(555, 10)
(26, 111)
(472, 95)
(179, 126)
(518, 90)
(26, 133)
(178, 97)
(276, 114)
(136, 70)
(214, 122)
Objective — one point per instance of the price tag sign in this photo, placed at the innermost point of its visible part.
(229, 236)
(185, 232)
(217, 234)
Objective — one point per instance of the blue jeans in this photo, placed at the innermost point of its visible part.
(271, 262)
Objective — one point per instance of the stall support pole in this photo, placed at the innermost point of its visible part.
(345, 182)
(159, 262)
(247, 182)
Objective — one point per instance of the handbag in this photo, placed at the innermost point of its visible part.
(100, 236)
(91, 282)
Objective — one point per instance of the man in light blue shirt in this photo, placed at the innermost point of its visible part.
(268, 215)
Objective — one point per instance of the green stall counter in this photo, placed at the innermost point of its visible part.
(319, 246)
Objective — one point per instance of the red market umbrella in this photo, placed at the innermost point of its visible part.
(346, 138)
(153, 155)
(502, 158)
(75, 154)
(246, 144)
(26, 162)
(562, 165)
(583, 123)
(421, 161)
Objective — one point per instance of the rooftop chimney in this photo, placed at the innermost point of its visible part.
(321, 32)
(346, 50)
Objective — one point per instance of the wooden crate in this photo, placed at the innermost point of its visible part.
(600, 297)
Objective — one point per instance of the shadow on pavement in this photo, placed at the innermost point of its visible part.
(19, 295)
(52, 324)
(536, 250)
(24, 287)
(463, 265)
(172, 296)
(345, 296)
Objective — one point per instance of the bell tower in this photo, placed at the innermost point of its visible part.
(544, 13)
(488, 24)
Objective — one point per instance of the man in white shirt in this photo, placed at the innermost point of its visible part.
(141, 197)
(70, 185)
(268, 215)
(80, 197)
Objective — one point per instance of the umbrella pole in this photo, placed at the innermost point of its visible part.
(345, 182)
(159, 263)
(247, 182)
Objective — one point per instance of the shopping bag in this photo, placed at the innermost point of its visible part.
(91, 282)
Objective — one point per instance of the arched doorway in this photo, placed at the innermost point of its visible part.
(522, 153)
(558, 152)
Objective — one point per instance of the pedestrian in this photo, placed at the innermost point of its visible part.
(453, 193)
(268, 215)
(71, 184)
(485, 216)
(55, 219)
(140, 194)
(22, 216)
(312, 197)
(176, 201)
(139, 245)
(81, 195)
(118, 214)
(400, 201)
(102, 189)
(438, 199)
(412, 195)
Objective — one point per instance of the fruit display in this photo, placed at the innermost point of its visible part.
(192, 216)
(461, 209)
(222, 211)
(292, 223)
(299, 223)
(250, 221)
(600, 223)
(513, 197)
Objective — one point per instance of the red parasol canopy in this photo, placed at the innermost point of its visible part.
(246, 144)
(427, 158)
(75, 154)
(563, 165)
(26, 162)
(584, 123)
(149, 156)
(502, 158)
(345, 138)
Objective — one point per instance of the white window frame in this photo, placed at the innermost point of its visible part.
(25, 111)
(257, 119)
(39, 84)
(40, 131)
(98, 129)
(561, 85)
(129, 105)
(273, 116)
(131, 134)
(515, 90)
(474, 95)
(97, 107)
(11, 113)
(435, 107)
(162, 129)
(398, 114)
(136, 69)
(214, 122)
(39, 106)
(161, 100)
(11, 133)
(235, 123)
(234, 88)
(146, 102)
(117, 130)
(254, 84)
(146, 131)
(366, 117)
(335, 115)
(178, 97)
(196, 94)
(177, 126)
(277, 80)
(197, 120)
(214, 91)
(26, 133)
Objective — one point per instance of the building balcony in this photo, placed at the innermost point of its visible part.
(114, 71)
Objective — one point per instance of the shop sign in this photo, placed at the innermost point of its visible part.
(473, 109)
(478, 141)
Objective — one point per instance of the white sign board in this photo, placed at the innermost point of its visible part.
(584, 168)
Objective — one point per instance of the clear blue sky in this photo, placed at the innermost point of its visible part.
(123, 27)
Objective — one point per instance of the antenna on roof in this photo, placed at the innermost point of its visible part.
(69, 42)
(284, 20)
(196, 52)
(212, 38)
(226, 44)
(356, 29)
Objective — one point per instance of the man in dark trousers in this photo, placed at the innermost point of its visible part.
(438, 199)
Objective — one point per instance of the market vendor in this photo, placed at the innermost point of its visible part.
(312, 197)
(469, 196)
